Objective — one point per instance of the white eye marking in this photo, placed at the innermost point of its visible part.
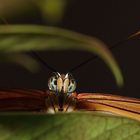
(72, 86)
(52, 83)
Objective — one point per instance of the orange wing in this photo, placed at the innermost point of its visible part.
(22, 100)
(118, 105)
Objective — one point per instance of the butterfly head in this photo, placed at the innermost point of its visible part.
(62, 87)
(62, 83)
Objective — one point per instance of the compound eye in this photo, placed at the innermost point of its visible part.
(72, 86)
(52, 83)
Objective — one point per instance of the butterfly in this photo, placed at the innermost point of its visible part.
(61, 97)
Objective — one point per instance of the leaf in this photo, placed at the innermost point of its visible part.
(21, 59)
(17, 38)
(69, 126)
(52, 10)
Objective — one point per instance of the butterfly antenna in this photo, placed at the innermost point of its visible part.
(38, 58)
(112, 47)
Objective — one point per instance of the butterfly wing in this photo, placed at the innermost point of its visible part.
(117, 105)
(22, 100)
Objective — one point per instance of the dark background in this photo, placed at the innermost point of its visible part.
(110, 21)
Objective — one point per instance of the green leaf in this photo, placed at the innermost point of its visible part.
(17, 38)
(21, 59)
(52, 10)
(69, 126)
